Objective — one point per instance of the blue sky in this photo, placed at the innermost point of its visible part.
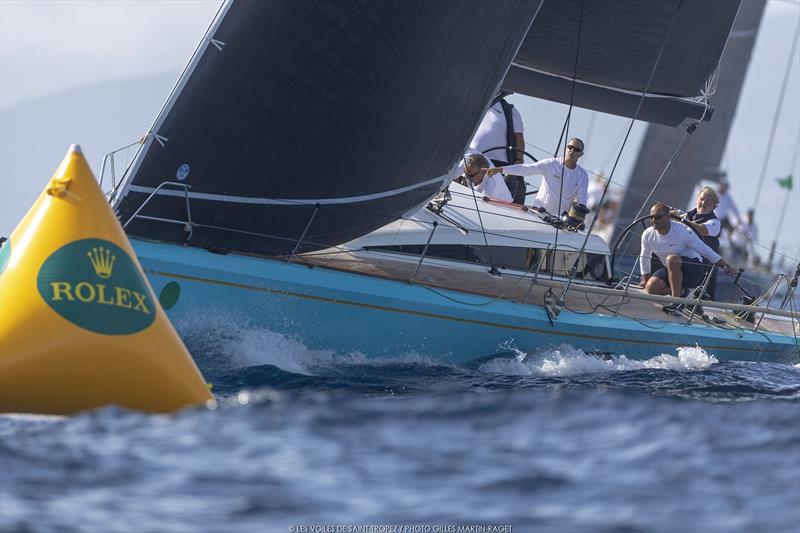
(49, 47)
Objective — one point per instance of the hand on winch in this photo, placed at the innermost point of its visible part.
(677, 213)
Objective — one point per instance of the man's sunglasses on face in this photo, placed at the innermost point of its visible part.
(657, 217)
(573, 148)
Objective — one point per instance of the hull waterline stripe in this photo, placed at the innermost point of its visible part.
(286, 201)
(761, 348)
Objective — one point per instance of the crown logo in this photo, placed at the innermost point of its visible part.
(102, 261)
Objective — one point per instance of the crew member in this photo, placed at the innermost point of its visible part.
(680, 250)
(554, 196)
(502, 126)
(726, 210)
(705, 222)
(476, 175)
(743, 238)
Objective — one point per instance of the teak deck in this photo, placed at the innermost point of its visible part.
(523, 290)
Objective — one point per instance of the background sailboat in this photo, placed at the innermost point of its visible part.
(702, 156)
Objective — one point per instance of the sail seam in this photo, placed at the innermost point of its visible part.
(285, 201)
(606, 87)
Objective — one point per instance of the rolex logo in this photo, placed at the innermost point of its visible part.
(107, 294)
(102, 261)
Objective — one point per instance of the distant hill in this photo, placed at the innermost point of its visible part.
(35, 134)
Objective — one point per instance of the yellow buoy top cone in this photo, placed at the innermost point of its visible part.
(80, 326)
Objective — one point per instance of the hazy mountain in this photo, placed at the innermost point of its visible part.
(35, 134)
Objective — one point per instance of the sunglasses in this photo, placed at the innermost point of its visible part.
(657, 217)
(573, 148)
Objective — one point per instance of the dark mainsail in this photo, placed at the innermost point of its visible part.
(700, 159)
(350, 113)
(619, 44)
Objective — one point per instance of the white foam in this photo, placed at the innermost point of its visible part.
(254, 347)
(568, 361)
(263, 347)
(245, 346)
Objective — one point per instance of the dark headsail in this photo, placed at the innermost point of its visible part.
(620, 41)
(700, 159)
(350, 112)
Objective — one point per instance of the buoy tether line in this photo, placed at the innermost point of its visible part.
(80, 326)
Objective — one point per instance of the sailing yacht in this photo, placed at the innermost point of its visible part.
(298, 179)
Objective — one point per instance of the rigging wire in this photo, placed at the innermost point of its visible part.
(783, 208)
(598, 172)
(620, 138)
(492, 269)
(689, 131)
(565, 132)
(628, 190)
(590, 128)
(776, 117)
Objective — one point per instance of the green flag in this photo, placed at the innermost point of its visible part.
(786, 182)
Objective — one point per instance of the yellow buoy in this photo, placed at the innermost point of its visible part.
(80, 326)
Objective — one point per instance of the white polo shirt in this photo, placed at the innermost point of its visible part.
(491, 186)
(727, 209)
(494, 187)
(576, 182)
(492, 132)
(679, 240)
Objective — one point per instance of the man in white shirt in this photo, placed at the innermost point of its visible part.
(552, 196)
(497, 130)
(743, 237)
(595, 192)
(475, 174)
(706, 225)
(679, 249)
(726, 210)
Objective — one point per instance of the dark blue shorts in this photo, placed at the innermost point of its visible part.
(692, 270)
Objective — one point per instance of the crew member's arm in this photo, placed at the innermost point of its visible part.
(645, 262)
(461, 176)
(694, 242)
(519, 157)
(711, 227)
(528, 169)
(700, 228)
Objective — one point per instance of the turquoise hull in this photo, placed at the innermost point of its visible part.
(351, 313)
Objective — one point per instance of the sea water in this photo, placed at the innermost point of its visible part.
(300, 440)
